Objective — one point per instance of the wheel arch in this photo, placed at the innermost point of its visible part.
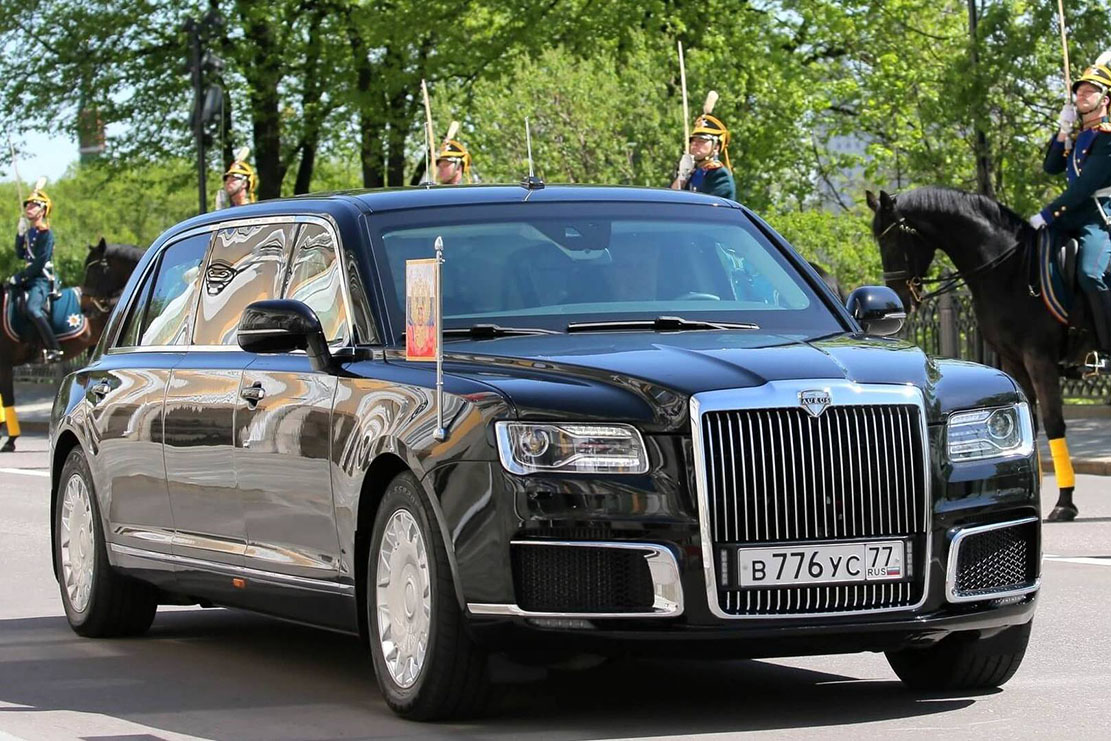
(64, 444)
(377, 477)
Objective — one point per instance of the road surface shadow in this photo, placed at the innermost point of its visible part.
(228, 674)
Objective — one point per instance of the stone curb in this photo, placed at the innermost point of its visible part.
(1090, 466)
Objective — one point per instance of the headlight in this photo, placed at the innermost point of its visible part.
(991, 433)
(570, 448)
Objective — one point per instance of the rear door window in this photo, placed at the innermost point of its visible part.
(247, 264)
(167, 315)
(316, 278)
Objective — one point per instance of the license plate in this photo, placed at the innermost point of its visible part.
(845, 563)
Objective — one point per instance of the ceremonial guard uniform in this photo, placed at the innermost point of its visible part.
(1083, 211)
(453, 163)
(240, 182)
(36, 248)
(701, 169)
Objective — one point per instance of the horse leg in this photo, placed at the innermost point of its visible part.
(1016, 370)
(1047, 382)
(7, 402)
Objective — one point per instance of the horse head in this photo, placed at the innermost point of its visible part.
(107, 268)
(905, 251)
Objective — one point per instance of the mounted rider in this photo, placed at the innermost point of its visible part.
(453, 163)
(1083, 210)
(36, 280)
(700, 169)
(240, 183)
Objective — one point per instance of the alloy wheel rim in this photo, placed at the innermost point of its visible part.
(404, 598)
(78, 543)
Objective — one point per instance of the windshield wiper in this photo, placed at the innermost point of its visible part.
(481, 331)
(660, 323)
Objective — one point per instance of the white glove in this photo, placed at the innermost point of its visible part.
(1037, 221)
(23, 226)
(11, 281)
(686, 167)
(1066, 119)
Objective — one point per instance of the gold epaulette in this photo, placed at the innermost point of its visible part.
(713, 165)
(1104, 128)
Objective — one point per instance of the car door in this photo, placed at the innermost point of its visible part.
(283, 429)
(126, 389)
(245, 263)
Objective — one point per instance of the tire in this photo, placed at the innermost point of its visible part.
(963, 663)
(99, 602)
(428, 668)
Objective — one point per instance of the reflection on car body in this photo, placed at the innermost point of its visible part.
(663, 432)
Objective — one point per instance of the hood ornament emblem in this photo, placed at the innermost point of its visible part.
(814, 401)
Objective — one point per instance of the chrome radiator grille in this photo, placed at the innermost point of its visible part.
(780, 475)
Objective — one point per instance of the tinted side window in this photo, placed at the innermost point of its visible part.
(315, 279)
(247, 264)
(129, 335)
(166, 320)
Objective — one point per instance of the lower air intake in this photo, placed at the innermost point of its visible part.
(997, 560)
(581, 579)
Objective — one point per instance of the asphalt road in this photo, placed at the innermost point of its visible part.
(222, 674)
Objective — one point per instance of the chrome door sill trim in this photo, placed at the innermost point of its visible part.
(785, 394)
(662, 566)
(951, 592)
(244, 572)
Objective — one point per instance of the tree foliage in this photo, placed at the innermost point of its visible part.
(327, 92)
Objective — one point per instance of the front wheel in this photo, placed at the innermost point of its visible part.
(962, 663)
(426, 664)
(99, 602)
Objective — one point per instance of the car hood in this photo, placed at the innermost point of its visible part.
(648, 377)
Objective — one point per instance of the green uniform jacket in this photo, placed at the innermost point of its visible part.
(717, 181)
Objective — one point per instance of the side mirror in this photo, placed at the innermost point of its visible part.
(281, 326)
(878, 309)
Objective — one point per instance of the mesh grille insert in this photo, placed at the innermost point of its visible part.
(997, 560)
(553, 578)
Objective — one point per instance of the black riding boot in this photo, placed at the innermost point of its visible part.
(50, 342)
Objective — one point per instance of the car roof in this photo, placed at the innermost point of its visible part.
(394, 199)
(420, 197)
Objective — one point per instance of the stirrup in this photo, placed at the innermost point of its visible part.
(1095, 363)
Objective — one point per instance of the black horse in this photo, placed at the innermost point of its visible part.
(107, 268)
(990, 246)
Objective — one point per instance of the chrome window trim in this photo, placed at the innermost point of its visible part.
(156, 259)
(958, 537)
(323, 220)
(231, 570)
(662, 565)
(785, 394)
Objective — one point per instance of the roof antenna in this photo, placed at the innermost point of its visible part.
(531, 182)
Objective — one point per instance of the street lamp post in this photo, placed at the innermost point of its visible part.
(207, 100)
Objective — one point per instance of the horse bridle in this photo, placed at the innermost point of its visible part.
(915, 283)
(103, 304)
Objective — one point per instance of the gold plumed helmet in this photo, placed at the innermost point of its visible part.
(38, 195)
(1098, 75)
(453, 150)
(239, 167)
(711, 127)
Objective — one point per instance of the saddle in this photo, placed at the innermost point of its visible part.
(1056, 262)
(64, 313)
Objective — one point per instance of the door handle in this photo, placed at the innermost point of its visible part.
(253, 394)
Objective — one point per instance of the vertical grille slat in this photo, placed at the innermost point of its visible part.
(780, 475)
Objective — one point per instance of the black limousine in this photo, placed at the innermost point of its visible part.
(661, 431)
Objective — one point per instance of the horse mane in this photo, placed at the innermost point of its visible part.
(126, 252)
(956, 202)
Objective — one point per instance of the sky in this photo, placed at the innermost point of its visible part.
(43, 154)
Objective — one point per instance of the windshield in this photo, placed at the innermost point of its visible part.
(548, 265)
